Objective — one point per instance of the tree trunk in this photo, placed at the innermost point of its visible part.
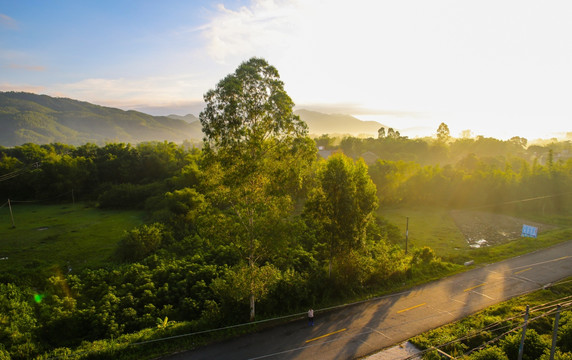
(252, 313)
(251, 264)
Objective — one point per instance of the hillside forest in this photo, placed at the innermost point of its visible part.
(259, 211)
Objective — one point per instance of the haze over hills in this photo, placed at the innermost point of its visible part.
(41, 119)
(320, 123)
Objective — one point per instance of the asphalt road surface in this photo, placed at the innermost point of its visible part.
(365, 328)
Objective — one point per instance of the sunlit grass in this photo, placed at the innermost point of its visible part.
(432, 227)
(60, 237)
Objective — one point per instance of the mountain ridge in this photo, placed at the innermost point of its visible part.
(27, 117)
(42, 119)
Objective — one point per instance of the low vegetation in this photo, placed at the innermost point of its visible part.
(496, 332)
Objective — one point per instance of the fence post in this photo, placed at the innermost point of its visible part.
(11, 215)
(521, 347)
(553, 349)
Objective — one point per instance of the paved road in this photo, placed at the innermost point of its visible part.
(362, 329)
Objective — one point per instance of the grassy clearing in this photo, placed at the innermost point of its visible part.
(432, 227)
(55, 237)
(435, 228)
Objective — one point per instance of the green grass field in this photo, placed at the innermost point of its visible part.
(49, 238)
(431, 227)
(55, 237)
(435, 228)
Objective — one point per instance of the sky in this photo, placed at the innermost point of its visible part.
(499, 68)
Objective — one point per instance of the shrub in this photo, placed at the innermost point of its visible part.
(489, 353)
(534, 345)
(140, 242)
(129, 196)
(565, 332)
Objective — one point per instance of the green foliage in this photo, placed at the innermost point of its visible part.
(141, 242)
(534, 345)
(247, 107)
(256, 150)
(17, 321)
(443, 133)
(128, 196)
(489, 353)
(565, 332)
(342, 205)
(558, 355)
(121, 174)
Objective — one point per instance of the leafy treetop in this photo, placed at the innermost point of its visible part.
(249, 107)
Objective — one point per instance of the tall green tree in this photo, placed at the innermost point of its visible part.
(443, 133)
(342, 205)
(255, 148)
(381, 133)
(249, 113)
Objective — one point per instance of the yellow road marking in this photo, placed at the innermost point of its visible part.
(562, 258)
(474, 287)
(323, 336)
(411, 308)
(521, 271)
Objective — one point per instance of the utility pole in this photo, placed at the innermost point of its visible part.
(406, 234)
(555, 333)
(11, 215)
(521, 347)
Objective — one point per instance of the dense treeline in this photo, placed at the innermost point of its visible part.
(233, 227)
(467, 172)
(116, 174)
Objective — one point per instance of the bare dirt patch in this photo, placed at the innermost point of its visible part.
(489, 229)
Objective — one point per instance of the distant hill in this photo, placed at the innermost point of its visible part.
(320, 123)
(41, 119)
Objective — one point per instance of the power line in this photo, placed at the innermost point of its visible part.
(552, 309)
(18, 172)
(547, 313)
(519, 201)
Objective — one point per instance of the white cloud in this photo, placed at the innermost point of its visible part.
(469, 60)
(245, 32)
(152, 92)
